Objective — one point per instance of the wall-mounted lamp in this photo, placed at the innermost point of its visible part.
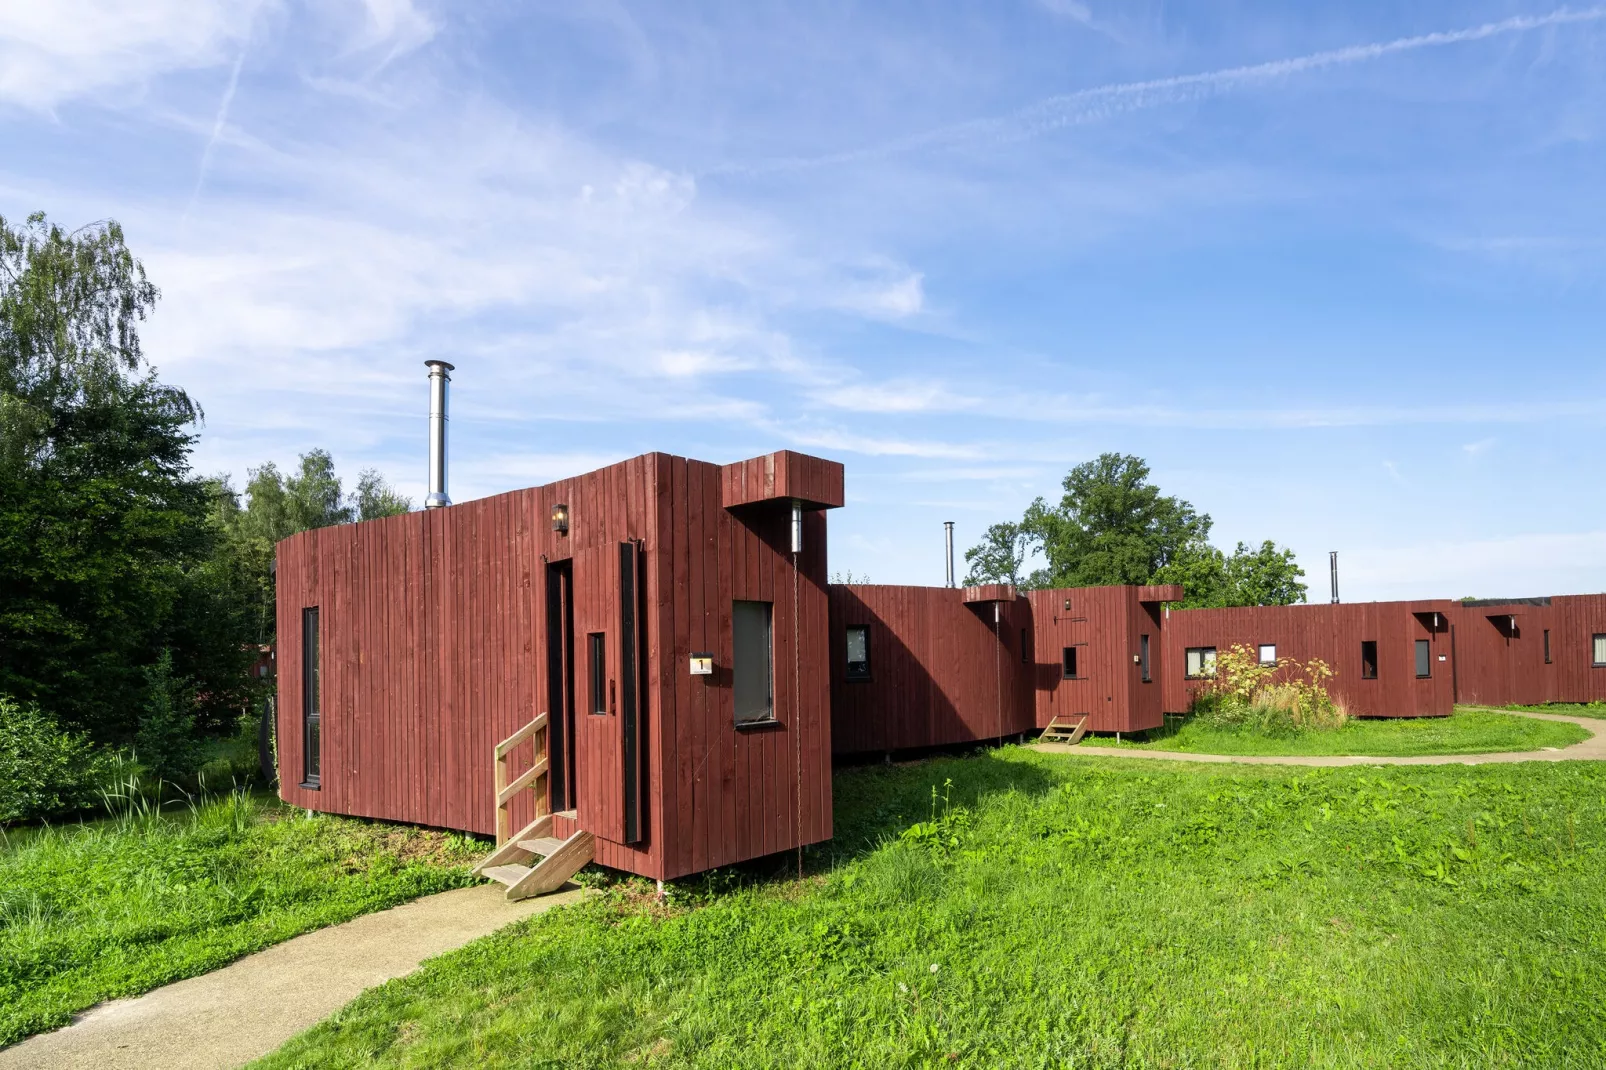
(1067, 605)
(560, 519)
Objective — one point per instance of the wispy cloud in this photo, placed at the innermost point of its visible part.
(217, 131)
(1102, 102)
(1478, 448)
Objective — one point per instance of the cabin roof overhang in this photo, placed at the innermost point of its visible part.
(783, 476)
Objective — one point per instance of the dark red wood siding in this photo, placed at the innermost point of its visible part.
(433, 648)
(1501, 650)
(1334, 634)
(1105, 625)
(942, 670)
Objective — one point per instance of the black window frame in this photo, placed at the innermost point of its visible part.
(1424, 659)
(1145, 667)
(1594, 646)
(311, 700)
(1547, 646)
(857, 671)
(1025, 648)
(1068, 665)
(1188, 652)
(597, 673)
(1368, 659)
(742, 667)
(1260, 658)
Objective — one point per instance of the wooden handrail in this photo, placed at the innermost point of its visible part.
(523, 781)
(521, 735)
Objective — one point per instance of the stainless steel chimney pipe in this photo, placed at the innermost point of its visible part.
(438, 378)
(1332, 564)
(797, 526)
(948, 533)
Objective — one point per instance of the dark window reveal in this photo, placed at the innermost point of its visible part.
(1547, 646)
(1143, 657)
(311, 728)
(1068, 663)
(1369, 659)
(858, 652)
(751, 661)
(1424, 659)
(1025, 649)
(598, 644)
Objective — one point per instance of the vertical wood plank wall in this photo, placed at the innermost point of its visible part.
(433, 636)
(1104, 625)
(941, 671)
(1334, 634)
(1502, 654)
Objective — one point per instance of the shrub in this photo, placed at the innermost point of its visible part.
(1288, 696)
(166, 745)
(44, 770)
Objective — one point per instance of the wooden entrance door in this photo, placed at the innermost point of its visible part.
(608, 662)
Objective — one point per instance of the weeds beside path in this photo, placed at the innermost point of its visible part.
(117, 907)
(1469, 731)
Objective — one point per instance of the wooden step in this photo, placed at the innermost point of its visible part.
(550, 874)
(1069, 732)
(508, 875)
(543, 845)
(513, 850)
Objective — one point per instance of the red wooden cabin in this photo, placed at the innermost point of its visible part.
(1389, 659)
(1100, 656)
(1530, 650)
(663, 656)
(919, 667)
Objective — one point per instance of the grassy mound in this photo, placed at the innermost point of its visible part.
(117, 907)
(1057, 911)
(1467, 731)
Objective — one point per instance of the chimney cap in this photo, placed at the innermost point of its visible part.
(439, 364)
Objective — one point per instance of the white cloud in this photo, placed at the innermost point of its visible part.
(1069, 9)
(1514, 566)
(1478, 448)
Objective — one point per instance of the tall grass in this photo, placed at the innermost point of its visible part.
(1278, 698)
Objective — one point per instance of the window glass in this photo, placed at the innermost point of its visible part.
(1201, 661)
(1143, 657)
(1600, 650)
(311, 711)
(1068, 663)
(1369, 659)
(1424, 659)
(598, 644)
(1025, 649)
(1547, 646)
(858, 652)
(1268, 653)
(751, 660)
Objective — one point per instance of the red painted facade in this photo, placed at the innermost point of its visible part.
(1528, 651)
(1333, 633)
(442, 632)
(1115, 633)
(945, 666)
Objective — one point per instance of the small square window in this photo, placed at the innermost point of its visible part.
(1201, 662)
(1268, 653)
(858, 652)
(1068, 663)
(1369, 659)
(1600, 651)
(1424, 659)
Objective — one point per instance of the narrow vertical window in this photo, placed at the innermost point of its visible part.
(311, 735)
(858, 652)
(1068, 663)
(1600, 652)
(1369, 659)
(597, 643)
(1025, 650)
(1143, 657)
(752, 659)
(1547, 646)
(1424, 659)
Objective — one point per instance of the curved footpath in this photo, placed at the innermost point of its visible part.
(1591, 749)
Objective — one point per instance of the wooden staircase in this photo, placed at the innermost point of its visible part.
(513, 863)
(1069, 731)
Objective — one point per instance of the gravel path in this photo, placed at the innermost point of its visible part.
(1591, 749)
(247, 1009)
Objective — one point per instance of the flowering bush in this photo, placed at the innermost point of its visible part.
(1286, 695)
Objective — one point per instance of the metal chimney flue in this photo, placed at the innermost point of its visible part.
(439, 377)
(1332, 564)
(948, 534)
(797, 526)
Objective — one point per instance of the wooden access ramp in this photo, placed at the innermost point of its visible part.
(532, 862)
(1068, 731)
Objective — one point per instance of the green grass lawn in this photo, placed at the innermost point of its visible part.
(113, 908)
(1571, 709)
(1467, 731)
(1069, 912)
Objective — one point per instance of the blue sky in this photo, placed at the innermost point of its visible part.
(1337, 273)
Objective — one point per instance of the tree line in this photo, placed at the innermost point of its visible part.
(1113, 526)
(135, 594)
